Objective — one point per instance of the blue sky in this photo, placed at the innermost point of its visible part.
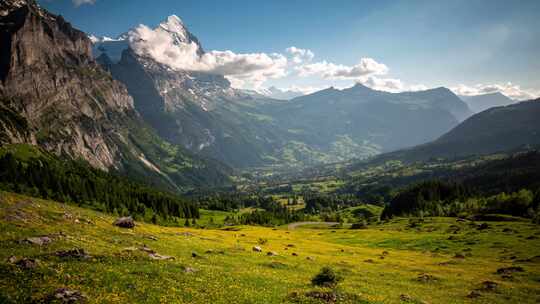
(480, 45)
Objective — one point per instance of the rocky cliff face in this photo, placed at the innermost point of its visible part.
(54, 94)
(49, 78)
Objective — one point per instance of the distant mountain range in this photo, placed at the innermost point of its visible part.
(276, 93)
(205, 114)
(497, 129)
(479, 103)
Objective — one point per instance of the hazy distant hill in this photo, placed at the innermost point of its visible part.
(359, 121)
(496, 129)
(483, 102)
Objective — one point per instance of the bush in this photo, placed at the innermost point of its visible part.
(327, 277)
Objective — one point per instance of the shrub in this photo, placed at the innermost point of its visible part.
(327, 277)
(262, 241)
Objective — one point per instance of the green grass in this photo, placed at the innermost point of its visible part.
(233, 273)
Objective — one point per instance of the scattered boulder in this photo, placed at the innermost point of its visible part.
(157, 256)
(483, 226)
(39, 240)
(294, 254)
(405, 298)
(146, 249)
(77, 253)
(369, 261)
(459, 256)
(125, 222)
(195, 254)
(186, 233)
(426, 278)
(474, 294)
(65, 295)
(24, 263)
(385, 253)
(325, 296)
(257, 249)
(510, 270)
(310, 258)
(290, 245)
(488, 286)
(271, 253)
(188, 269)
(151, 237)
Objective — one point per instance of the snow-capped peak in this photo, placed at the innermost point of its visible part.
(176, 28)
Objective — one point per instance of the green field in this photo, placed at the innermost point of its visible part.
(439, 260)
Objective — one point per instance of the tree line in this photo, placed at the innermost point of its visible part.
(47, 176)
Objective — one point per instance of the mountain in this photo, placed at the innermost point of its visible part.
(479, 103)
(361, 122)
(494, 130)
(199, 111)
(276, 93)
(55, 95)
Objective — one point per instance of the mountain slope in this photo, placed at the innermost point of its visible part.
(197, 110)
(479, 103)
(55, 95)
(496, 129)
(360, 122)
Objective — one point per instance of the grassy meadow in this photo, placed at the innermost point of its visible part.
(431, 260)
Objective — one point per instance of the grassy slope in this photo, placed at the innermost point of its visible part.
(114, 275)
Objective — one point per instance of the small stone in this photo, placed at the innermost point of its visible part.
(77, 253)
(194, 254)
(40, 240)
(483, 226)
(188, 269)
(125, 222)
(271, 253)
(310, 258)
(157, 256)
(474, 294)
(510, 270)
(426, 278)
(294, 254)
(405, 298)
(25, 263)
(65, 295)
(257, 249)
(489, 286)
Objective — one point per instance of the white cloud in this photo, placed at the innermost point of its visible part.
(383, 84)
(300, 55)
(509, 89)
(328, 70)
(78, 3)
(243, 70)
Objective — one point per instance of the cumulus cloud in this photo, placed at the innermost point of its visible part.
(509, 89)
(243, 70)
(328, 70)
(300, 55)
(78, 3)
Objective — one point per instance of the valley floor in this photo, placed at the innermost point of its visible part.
(438, 261)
